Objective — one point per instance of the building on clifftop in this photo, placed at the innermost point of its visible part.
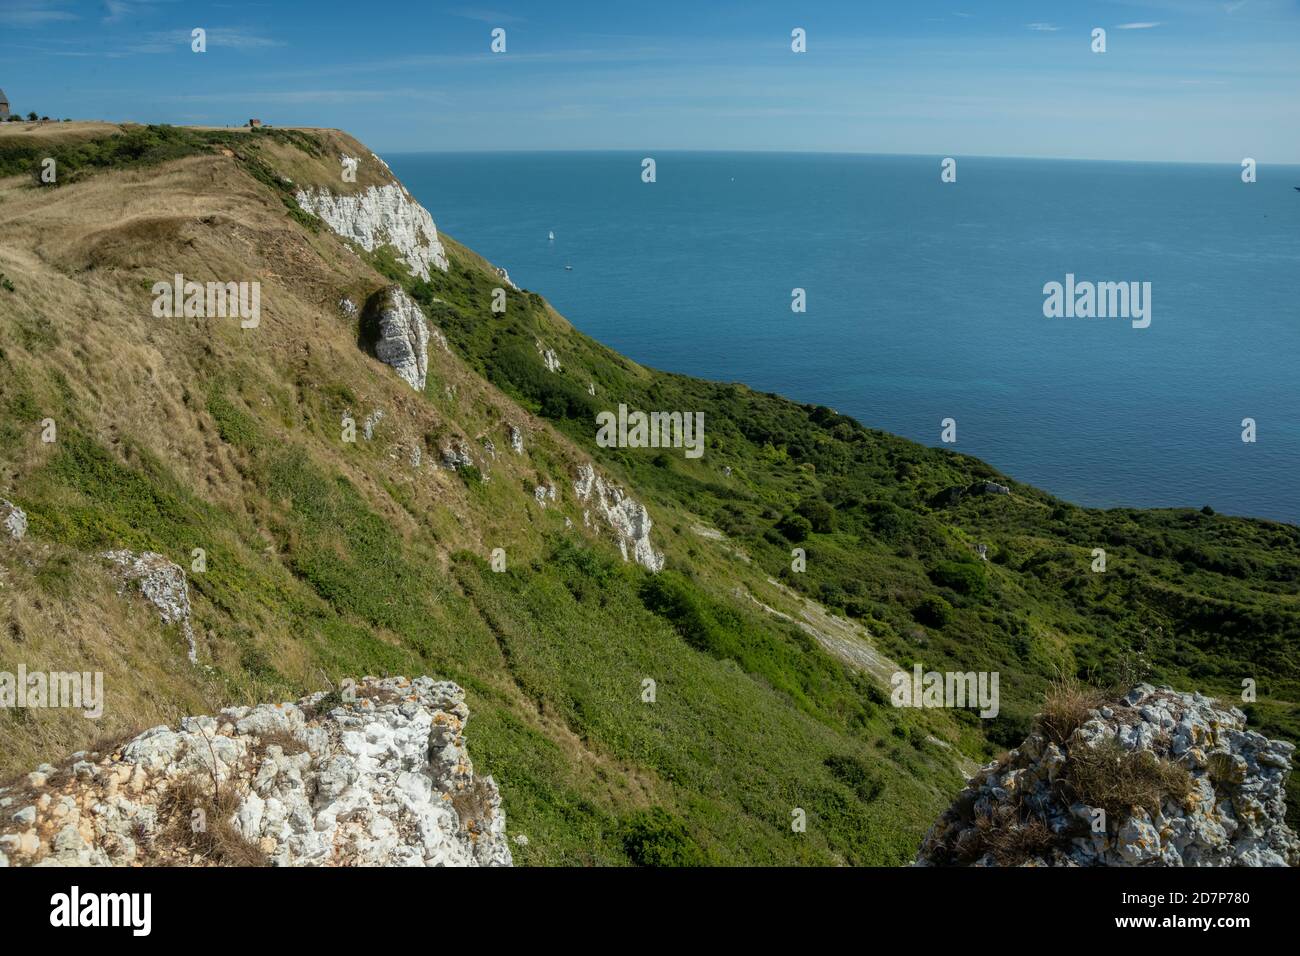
(4, 106)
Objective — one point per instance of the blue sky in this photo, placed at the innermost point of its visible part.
(1184, 80)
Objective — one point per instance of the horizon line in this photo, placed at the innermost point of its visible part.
(812, 152)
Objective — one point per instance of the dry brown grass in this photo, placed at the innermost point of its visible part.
(86, 627)
(211, 837)
(1066, 707)
(1012, 836)
(1117, 780)
(286, 741)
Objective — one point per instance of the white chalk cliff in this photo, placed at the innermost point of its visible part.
(382, 215)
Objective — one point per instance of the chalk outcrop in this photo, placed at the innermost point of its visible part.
(381, 215)
(163, 584)
(13, 519)
(549, 358)
(505, 277)
(396, 331)
(1157, 778)
(377, 775)
(627, 517)
(455, 455)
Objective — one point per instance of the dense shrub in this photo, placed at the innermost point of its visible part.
(794, 527)
(933, 611)
(657, 838)
(964, 577)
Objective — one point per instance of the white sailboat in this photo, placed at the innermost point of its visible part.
(551, 236)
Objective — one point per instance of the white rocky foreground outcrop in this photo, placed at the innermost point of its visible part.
(382, 215)
(627, 517)
(380, 777)
(1213, 793)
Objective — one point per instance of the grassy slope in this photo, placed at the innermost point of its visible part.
(328, 559)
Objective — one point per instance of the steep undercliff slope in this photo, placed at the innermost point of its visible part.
(385, 474)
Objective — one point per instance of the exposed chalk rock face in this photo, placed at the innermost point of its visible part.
(455, 455)
(628, 518)
(394, 327)
(376, 776)
(957, 493)
(516, 440)
(1212, 793)
(13, 519)
(163, 584)
(545, 493)
(549, 358)
(505, 277)
(382, 215)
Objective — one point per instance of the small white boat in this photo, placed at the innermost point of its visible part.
(570, 268)
(550, 236)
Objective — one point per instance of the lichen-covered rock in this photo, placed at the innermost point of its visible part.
(1213, 793)
(395, 328)
(164, 584)
(628, 518)
(456, 456)
(381, 215)
(376, 776)
(13, 519)
(545, 493)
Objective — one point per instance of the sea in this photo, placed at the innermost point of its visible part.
(923, 300)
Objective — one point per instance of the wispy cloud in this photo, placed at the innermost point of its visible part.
(1141, 25)
(33, 13)
(1043, 27)
(292, 97)
(172, 41)
(495, 17)
(115, 11)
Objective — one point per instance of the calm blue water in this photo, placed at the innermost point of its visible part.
(925, 300)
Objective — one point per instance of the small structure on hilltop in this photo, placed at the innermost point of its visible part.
(255, 123)
(4, 106)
